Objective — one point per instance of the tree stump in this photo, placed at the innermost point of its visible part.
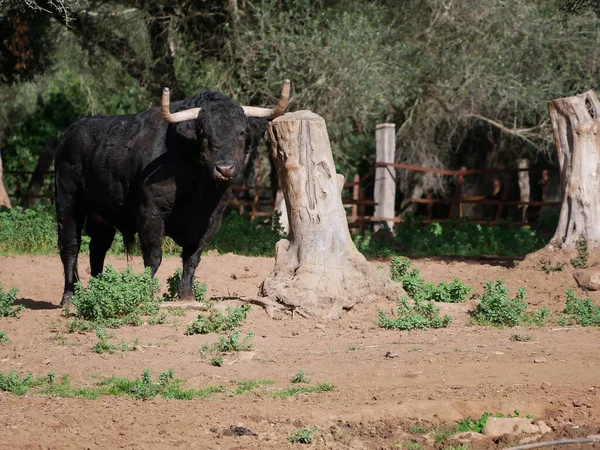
(318, 270)
(4, 199)
(576, 125)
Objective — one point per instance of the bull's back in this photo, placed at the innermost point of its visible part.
(99, 160)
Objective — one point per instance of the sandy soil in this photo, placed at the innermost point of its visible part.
(434, 379)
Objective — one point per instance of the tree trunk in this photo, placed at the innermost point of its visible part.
(318, 270)
(4, 200)
(576, 124)
(36, 183)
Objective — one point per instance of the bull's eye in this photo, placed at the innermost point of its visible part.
(242, 134)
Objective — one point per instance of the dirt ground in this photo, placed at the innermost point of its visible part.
(433, 379)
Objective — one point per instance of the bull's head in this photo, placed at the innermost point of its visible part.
(220, 130)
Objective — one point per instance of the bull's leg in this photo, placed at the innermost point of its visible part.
(70, 220)
(151, 236)
(191, 259)
(102, 236)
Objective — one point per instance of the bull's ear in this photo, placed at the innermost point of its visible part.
(187, 129)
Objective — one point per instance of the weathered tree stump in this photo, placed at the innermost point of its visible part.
(576, 124)
(4, 200)
(318, 270)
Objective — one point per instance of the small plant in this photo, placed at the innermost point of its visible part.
(496, 308)
(441, 434)
(299, 377)
(416, 349)
(476, 425)
(115, 299)
(173, 282)
(547, 267)
(295, 390)
(217, 361)
(417, 429)
(218, 322)
(417, 289)
(521, 337)
(412, 445)
(581, 260)
(351, 348)
(420, 316)
(14, 383)
(230, 343)
(3, 338)
(7, 303)
(582, 312)
(302, 436)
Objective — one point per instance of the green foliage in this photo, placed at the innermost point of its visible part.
(217, 361)
(521, 337)
(7, 303)
(15, 384)
(240, 235)
(230, 343)
(295, 390)
(217, 322)
(31, 231)
(441, 434)
(581, 260)
(4, 338)
(476, 425)
(417, 289)
(458, 237)
(302, 436)
(421, 315)
(496, 308)
(299, 377)
(173, 282)
(582, 312)
(116, 298)
(547, 267)
(105, 346)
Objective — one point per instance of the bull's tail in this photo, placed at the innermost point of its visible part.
(129, 242)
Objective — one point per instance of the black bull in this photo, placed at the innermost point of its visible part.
(138, 174)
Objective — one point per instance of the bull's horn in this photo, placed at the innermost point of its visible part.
(279, 110)
(181, 116)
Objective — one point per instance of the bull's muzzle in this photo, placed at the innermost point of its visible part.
(224, 172)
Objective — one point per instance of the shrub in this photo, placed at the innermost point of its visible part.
(173, 282)
(302, 436)
(217, 322)
(7, 303)
(582, 312)
(496, 308)
(417, 289)
(422, 315)
(12, 382)
(116, 298)
(230, 343)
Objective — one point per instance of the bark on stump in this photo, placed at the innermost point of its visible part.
(576, 125)
(318, 270)
(4, 200)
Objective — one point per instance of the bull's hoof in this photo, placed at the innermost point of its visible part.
(67, 300)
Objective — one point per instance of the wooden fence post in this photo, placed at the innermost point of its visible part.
(385, 179)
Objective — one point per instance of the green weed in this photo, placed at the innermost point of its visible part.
(412, 445)
(302, 436)
(3, 338)
(496, 308)
(217, 361)
(421, 315)
(230, 343)
(299, 377)
(521, 337)
(581, 312)
(417, 289)
(547, 267)
(7, 303)
(15, 384)
(295, 390)
(173, 282)
(115, 299)
(244, 386)
(581, 260)
(218, 322)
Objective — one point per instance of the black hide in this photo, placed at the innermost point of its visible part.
(136, 174)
